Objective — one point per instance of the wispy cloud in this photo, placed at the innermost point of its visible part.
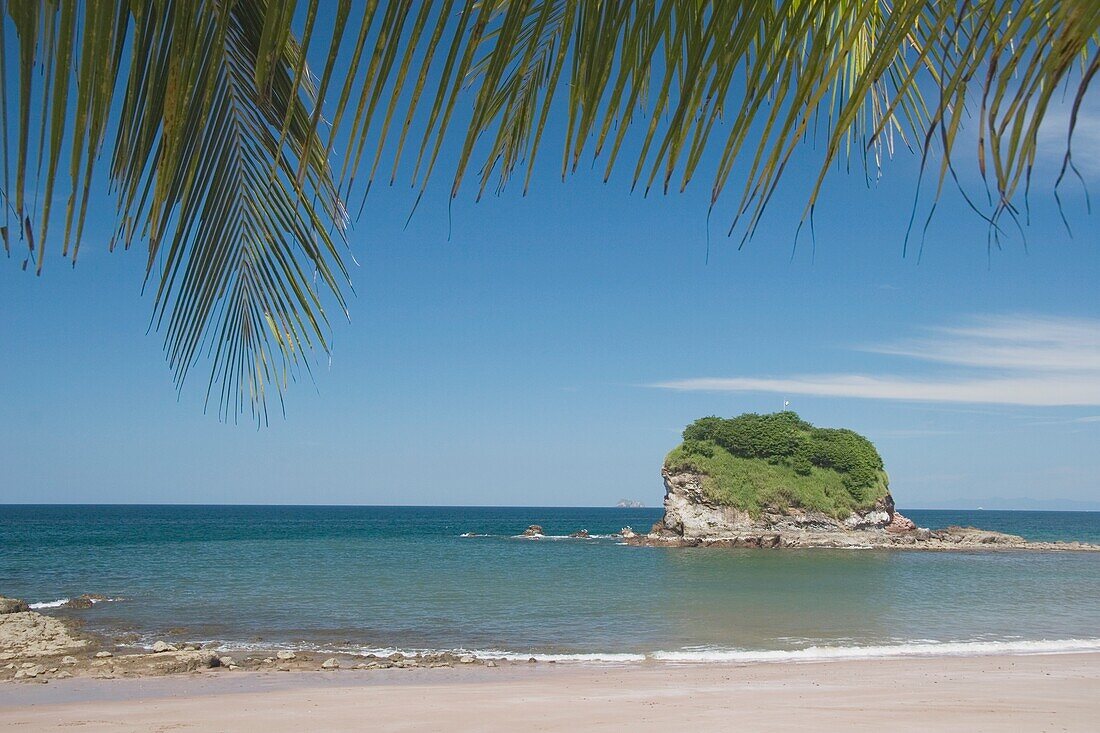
(1086, 138)
(1007, 360)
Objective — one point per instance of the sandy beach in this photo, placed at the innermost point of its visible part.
(1028, 693)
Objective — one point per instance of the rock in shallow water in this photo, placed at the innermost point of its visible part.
(13, 605)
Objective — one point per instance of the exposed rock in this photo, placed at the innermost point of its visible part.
(285, 654)
(690, 513)
(160, 647)
(69, 661)
(30, 634)
(490, 663)
(534, 530)
(467, 659)
(581, 534)
(692, 519)
(898, 524)
(87, 600)
(103, 655)
(13, 605)
(330, 663)
(627, 533)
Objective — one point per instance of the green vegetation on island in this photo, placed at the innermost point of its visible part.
(779, 460)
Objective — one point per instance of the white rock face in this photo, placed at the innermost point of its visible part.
(690, 513)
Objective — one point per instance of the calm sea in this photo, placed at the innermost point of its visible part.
(384, 578)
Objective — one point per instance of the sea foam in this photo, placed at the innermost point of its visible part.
(918, 649)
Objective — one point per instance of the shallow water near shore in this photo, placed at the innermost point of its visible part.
(403, 578)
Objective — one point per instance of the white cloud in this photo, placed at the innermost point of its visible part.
(1009, 360)
(1054, 130)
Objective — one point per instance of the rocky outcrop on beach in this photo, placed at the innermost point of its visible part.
(693, 519)
(40, 648)
(29, 634)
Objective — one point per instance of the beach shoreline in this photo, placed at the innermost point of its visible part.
(1023, 692)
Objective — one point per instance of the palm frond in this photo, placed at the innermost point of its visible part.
(216, 164)
(680, 85)
(218, 133)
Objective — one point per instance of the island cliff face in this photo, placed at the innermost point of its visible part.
(719, 493)
(690, 512)
(692, 519)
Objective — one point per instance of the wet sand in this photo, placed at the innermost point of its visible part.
(1041, 692)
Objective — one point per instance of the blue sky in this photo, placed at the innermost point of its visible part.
(548, 349)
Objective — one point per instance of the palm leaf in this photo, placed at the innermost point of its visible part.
(216, 164)
(218, 134)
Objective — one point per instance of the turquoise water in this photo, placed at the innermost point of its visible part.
(370, 578)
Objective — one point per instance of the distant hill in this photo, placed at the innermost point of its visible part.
(779, 461)
(629, 504)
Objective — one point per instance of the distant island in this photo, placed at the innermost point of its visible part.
(629, 504)
(775, 480)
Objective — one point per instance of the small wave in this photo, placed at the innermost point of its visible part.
(60, 602)
(921, 649)
(592, 658)
(557, 537)
(595, 657)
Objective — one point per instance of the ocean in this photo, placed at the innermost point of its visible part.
(382, 579)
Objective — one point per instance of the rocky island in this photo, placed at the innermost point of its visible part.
(775, 480)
